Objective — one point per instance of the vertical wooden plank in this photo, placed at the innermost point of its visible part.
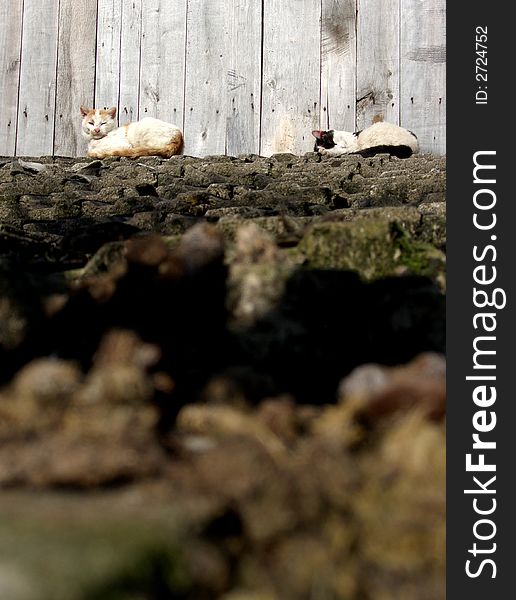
(205, 94)
(338, 55)
(244, 76)
(291, 75)
(75, 73)
(36, 106)
(130, 40)
(10, 50)
(378, 32)
(107, 73)
(162, 68)
(423, 72)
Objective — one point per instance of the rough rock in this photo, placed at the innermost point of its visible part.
(222, 377)
(300, 186)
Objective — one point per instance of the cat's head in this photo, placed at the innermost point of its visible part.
(97, 123)
(342, 142)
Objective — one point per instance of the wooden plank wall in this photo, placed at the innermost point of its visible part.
(38, 70)
(338, 68)
(205, 89)
(291, 75)
(162, 60)
(239, 76)
(11, 24)
(244, 77)
(378, 62)
(423, 68)
(75, 74)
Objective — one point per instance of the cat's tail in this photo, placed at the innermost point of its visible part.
(175, 146)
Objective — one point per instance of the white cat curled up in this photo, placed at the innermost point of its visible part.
(147, 137)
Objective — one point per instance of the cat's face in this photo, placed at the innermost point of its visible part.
(340, 142)
(97, 123)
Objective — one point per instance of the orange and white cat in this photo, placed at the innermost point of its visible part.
(147, 137)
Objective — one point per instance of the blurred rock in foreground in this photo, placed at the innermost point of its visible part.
(222, 378)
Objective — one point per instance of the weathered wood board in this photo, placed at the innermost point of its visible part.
(377, 71)
(128, 100)
(37, 95)
(423, 67)
(338, 54)
(107, 70)
(75, 74)
(243, 76)
(206, 67)
(291, 75)
(10, 54)
(162, 67)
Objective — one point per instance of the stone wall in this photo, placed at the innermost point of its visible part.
(77, 204)
(236, 365)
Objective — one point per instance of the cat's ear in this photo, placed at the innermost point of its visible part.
(318, 134)
(84, 111)
(112, 112)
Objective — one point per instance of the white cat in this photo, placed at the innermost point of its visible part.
(376, 139)
(148, 137)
